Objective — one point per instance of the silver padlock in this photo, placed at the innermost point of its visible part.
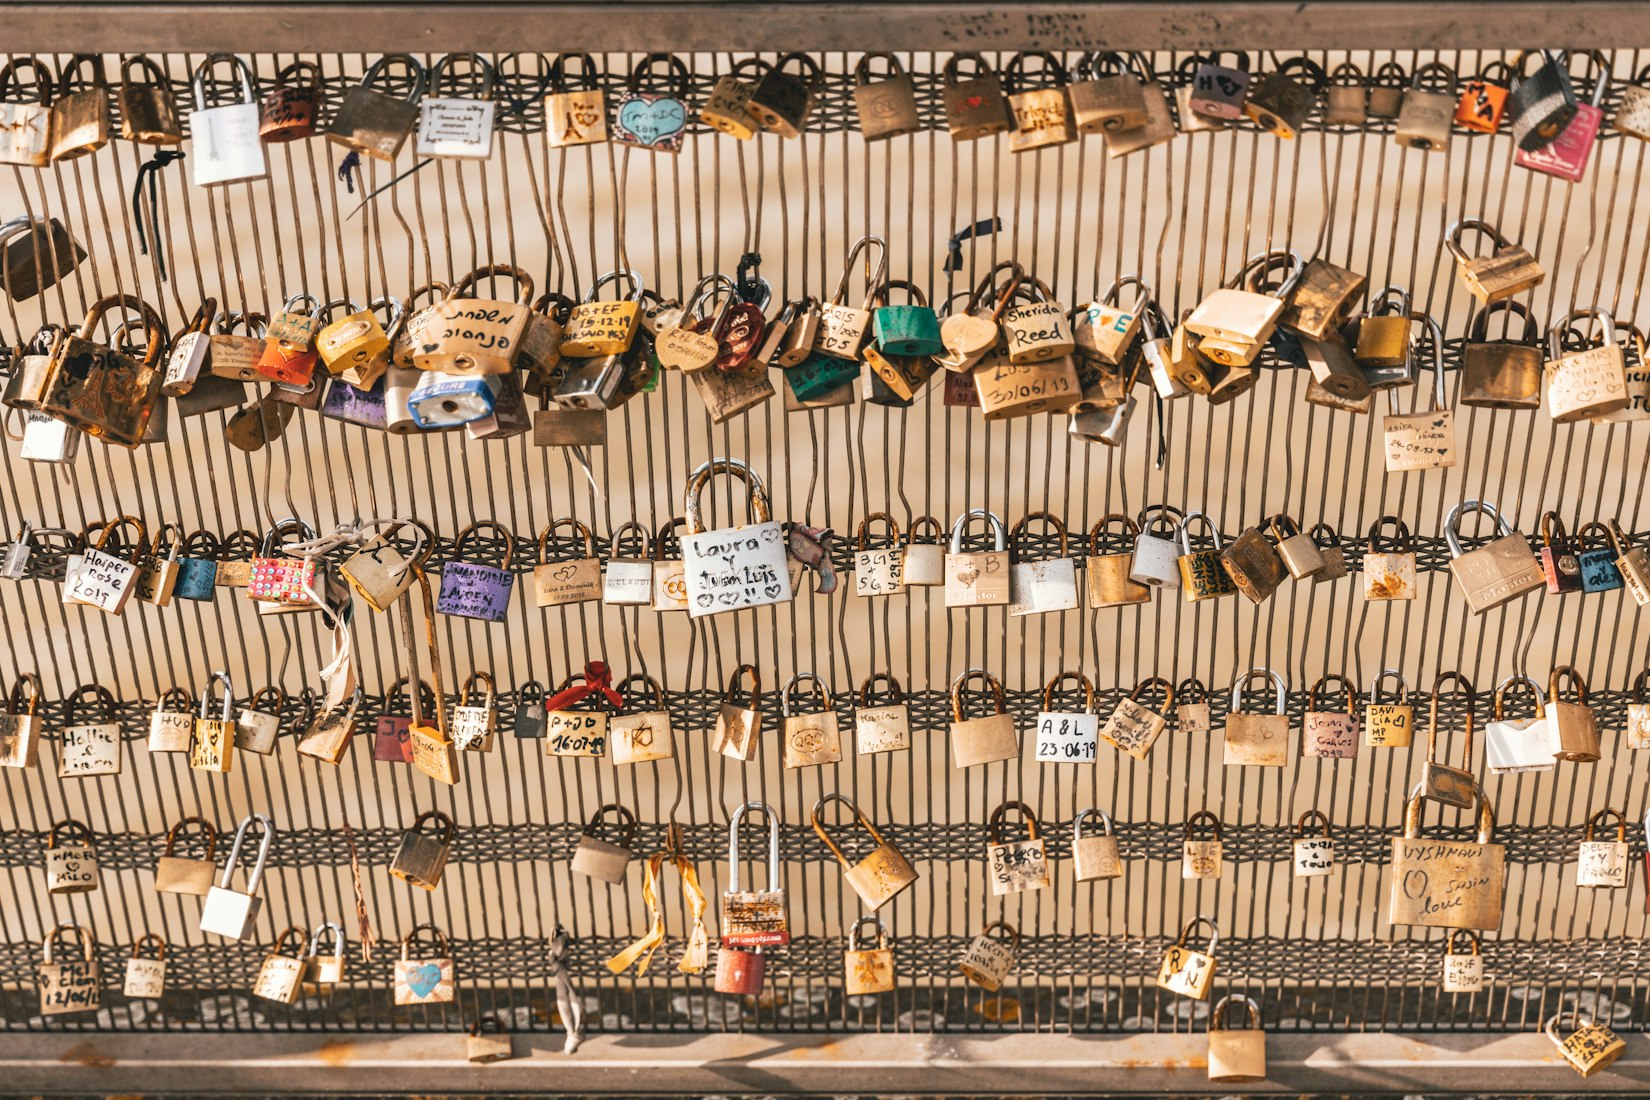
(256, 730)
(1095, 856)
(231, 913)
(1156, 557)
(226, 147)
(601, 859)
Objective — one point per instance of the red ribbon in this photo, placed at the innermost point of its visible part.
(597, 678)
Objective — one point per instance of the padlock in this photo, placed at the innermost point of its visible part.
(354, 342)
(887, 107)
(90, 748)
(782, 101)
(975, 106)
(1038, 587)
(657, 120)
(1105, 95)
(1598, 564)
(1589, 383)
(1638, 378)
(1201, 859)
(877, 570)
(1494, 574)
(988, 960)
(378, 571)
(1280, 103)
(67, 983)
(1300, 554)
(1425, 116)
(801, 330)
(234, 357)
(291, 108)
(1330, 733)
(1314, 856)
(1034, 331)
(27, 382)
(1159, 127)
(476, 591)
(1109, 576)
(1515, 745)
(669, 591)
(375, 123)
(80, 115)
(1015, 866)
(325, 969)
(684, 346)
(38, 254)
(14, 562)
(570, 732)
(1067, 736)
(1096, 856)
(727, 108)
(1191, 712)
(1384, 348)
(71, 867)
(1105, 331)
(465, 335)
(459, 127)
(471, 725)
(601, 859)
(1255, 739)
(1154, 561)
(1603, 863)
(426, 979)
(1386, 90)
(575, 580)
(1503, 373)
(754, 918)
(732, 568)
(1324, 300)
(922, 564)
(98, 578)
(182, 874)
(731, 393)
(231, 913)
(1186, 970)
(157, 580)
(880, 876)
(187, 359)
(1133, 726)
(226, 146)
(1346, 97)
(148, 114)
(1236, 1053)
(1216, 90)
(1540, 105)
(25, 124)
(974, 333)
(1507, 271)
(739, 973)
(906, 331)
(867, 971)
(810, 737)
(843, 329)
(1447, 884)
(278, 578)
(1003, 389)
(628, 581)
(392, 731)
(1633, 564)
(105, 392)
(280, 978)
(1558, 558)
(489, 1041)
(1042, 114)
(1632, 115)
(1422, 440)
(1254, 565)
(237, 552)
(1233, 323)
(1389, 725)
(1463, 972)
(1590, 1048)
(598, 328)
(1573, 726)
(20, 728)
(1444, 783)
(422, 854)
(1484, 99)
(1203, 574)
(539, 353)
(1389, 574)
(575, 116)
(1638, 712)
(978, 578)
(643, 735)
(146, 977)
(882, 727)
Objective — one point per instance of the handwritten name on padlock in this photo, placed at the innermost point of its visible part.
(727, 576)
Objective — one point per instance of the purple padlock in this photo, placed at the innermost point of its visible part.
(352, 406)
(477, 591)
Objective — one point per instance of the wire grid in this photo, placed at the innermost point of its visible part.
(1319, 954)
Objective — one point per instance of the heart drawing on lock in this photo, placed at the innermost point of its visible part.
(653, 120)
(423, 979)
(974, 102)
(565, 572)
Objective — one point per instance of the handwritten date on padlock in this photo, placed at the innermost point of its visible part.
(735, 568)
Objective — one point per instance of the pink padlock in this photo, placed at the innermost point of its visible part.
(1567, 156)
(740, 972)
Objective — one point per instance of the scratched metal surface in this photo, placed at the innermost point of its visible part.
(1318, 953)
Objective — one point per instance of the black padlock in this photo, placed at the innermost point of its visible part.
(1542, 104)
(1280, 103)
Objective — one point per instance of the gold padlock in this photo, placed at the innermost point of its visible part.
(1504, 373)
(976, 741)
(575, 116)
(1383, 349)
(1106, 96)
(325, 969)
(1203, 576)
(639, 736)
(148, 113)
(1233, 323)
(1191, 712)
(1590, 382)
(1447, 884)
(1444, 783)
(1236, 1053)
(727, 108)
(1633, 564)
(1257, 739)
(67, 983)
(867, 971)
(1042, 115)
(598, 328)
(1389, 725)
(1015, 866)
(71, 867)
(879, 876)
(375, 123)
(1346, 99)
(1590, 1048)
(1186, 970)
(1199, 858)
(739, 724)
(811, 737)
(604, 860)
(884, 727)
(1325, 298)
(1109, 576)
(280, 978)
(988, 961)
(975, 106)
(1095, 857)
(1423, 440)
(1330, 733)
(571, 580)
(146, 977)
(1507, 271)
(20, 724)
(1328, 542)
(180, 874)
(1574, 725)
(1299, 552)
(421, 856)
(1134, 727)
(467, 335)
(80, 116)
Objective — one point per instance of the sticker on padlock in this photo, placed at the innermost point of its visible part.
(1314, 854)
(1067, 737)
(733, 568)
(752, 918)
(455, 126)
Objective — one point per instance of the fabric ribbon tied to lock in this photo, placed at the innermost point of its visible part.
(598, 678)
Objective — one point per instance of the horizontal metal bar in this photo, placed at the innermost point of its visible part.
(719, 25)
(1019, 1064)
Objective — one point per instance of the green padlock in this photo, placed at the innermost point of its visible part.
(912, 329)
(820, 374)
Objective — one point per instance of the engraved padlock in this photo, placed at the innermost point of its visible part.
(886, 107)
(1203, 574)
(1095, 856)
(867, 970)
(1042, 114)
(879, 876)
(1254, 738)
(1506, 271)
(1590, 1048)
(1254, 565)
(1423, 440)
(811, 736)
(1590, 382)
(755, 918)
(1236, 1053)
(1463, 971)
(575, 115)
(882, 727)
(1134, 727)
(1496, 573)
(146, 977)
(1105, 95)
(1425, 116)
(978, 578)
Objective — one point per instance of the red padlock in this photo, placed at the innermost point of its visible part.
(740, 972)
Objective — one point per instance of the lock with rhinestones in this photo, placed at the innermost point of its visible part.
(1253, 738)
(754, 918)
(879, 876)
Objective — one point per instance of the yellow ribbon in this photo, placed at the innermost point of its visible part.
(696, 955)
(644, 948)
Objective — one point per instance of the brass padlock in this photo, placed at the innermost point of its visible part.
(879, 876)
(1256, 739)
(489, 1041)
(1280, 103)
(575, 116)
(969, 336)
(329, 735)
(1254, 565)
(20, 728)
(727, 108)
(325, 969)
(180, 874)
(1191, 712)
(739, 724)
(1067, 736)
(1425, 116)
(1637, 355)
(467, 335)
(426, 979)
(843, 329)
(291, 108)
(1603, 863)
(1588, 383)
(1507, 271)
(422, 854)
(639, 736)
(1109, 576)
(1574, 726)
(146, 977)
(867, 971)
(1105, 95)
(71, 867)
(580, 732)
(148, 113)
(1590, 1048)
(232, 913)
(1423, 440)
(604, 860)
(1233, 324)
(1300, 553)
(1236, 1053)
(923, 563)
(572, 580)
(212, 744)
(1330, 733)
(103, 391)
(26, 124)
(887, 107)
(1503, 373)
(1346, 97)
(988, 960)
(158, 578)
(1036, 331)
(811, 737)
(1042, 115)
(38, 254)
(1516, 745)
(1134, 727)
(1463, 971)
(1186, 970)
(1325, 298)
(1383, 349)
(782, 101)
(877, 570)
(473, 726)
(597, 328)
(755, 918)
(1447, 884)
(1443, 783)
(1389, 574)
(1203, 574)
(1633, 564)
(1159, 127)
(976, 741)
(1015, 866)
(1386, 90)
(1106, 332)
(1095, 857)
(375, 123)
(1201, 859)
(280, 978)
(80, 116)
(69, 984)
(1389, 725)
(978, 578)
(884, 727)
(257, 730)
(1315, 854)
(1496, 573)
(975, 106)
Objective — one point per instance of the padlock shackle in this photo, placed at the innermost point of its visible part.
(1457, 229)
(1601, 815)
(578, 528)
(1082, 681)
(1184, 533)
(888, 678)
(43, 79)
(1560, 672)
(1375, 686)
(407, 60)
(855, 943)
(1013, 933)
(337, 939)
(265, 842)
(994, 826)
(146, 939)
(487, 524)
(294, 69)
(1217, 1016)
(999, 534)
(876, 277)
(1586, 528)
(629, 275)
(1197, 818)
(629, 525)
(1455, 937)
(733, 467)
(136, 550)
(1603, 318)
(648, 682)
(1004, 293)
(1452, 523)
(924, 521)
(141, 60)
(1478, 331)
(1106, 824)
(480, 64)
(1412, 815)
(1047, 517)
(1513, 682)
(864, 524)
(1253, 274)
(1142, 300)
(523, 281)
(815, 818)
(1322, 684)
(228, 712)
(1310, 815)
(486, 678)
(207, 830)
(154, 329)
(83, 938)
(1432, 723)
(1435, 335)
(1280, 689)
(668, 535)
(14, 699)
(1131, 530)
(1580, 1019)
(970, 674)
(442, 821)
(628, 825)
(71, 705)
(754, 695)
(291, 933)
(820, 690)
(1402, 540)
(1155, 682)
(198, 84)
(74, 829)
(1452, 79)
(773, 844)
(1054, 73)
(982, 67)
(587, 73)
(442, 944)
(1193, 924)
(1282, 526)
(1190, 686)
